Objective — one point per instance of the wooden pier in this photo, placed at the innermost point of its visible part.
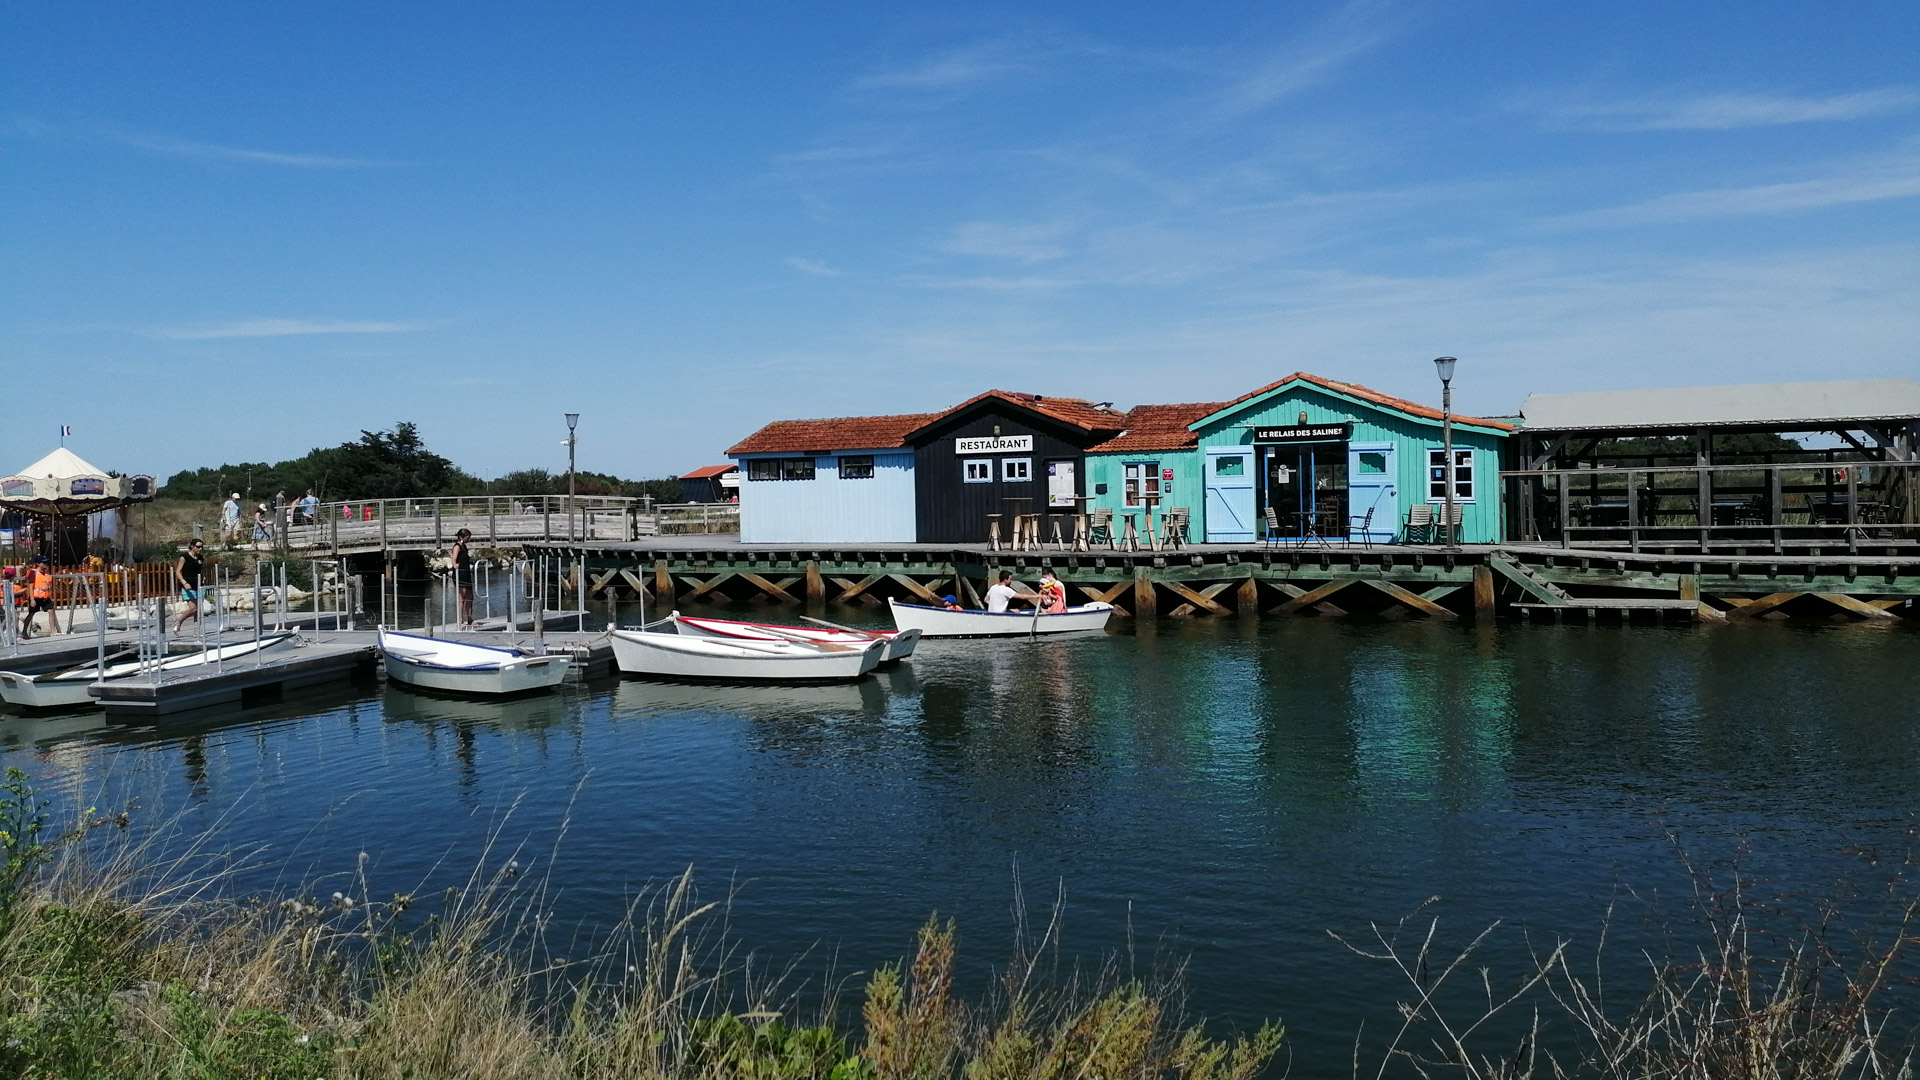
(1390, 581)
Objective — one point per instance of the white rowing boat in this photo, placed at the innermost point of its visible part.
(68, 688)
(659, 652)
(459, 668)
(900, 643)
(945, 622)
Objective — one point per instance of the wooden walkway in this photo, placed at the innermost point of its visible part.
(1391, 581)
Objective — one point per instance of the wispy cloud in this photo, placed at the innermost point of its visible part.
(1357, 28)
(954, 69)
(1023, 243)
(1724, 112)
(1892, 179)
(267, 328)
(811, 266)
(162, 144)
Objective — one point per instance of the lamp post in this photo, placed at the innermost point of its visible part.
(1444, 365)
(573, 419)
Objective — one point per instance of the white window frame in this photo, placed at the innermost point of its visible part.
(977, 470)
(1023, 465)
(1139, 478)
(1462, 474)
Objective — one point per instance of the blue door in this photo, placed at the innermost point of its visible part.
(1229, 481)
(1372, 484)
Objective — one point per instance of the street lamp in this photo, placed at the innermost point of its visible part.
(573, 419)
(1444, 365)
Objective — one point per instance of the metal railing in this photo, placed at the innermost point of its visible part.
(370, 524)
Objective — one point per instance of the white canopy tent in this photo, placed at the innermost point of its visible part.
(64, 484)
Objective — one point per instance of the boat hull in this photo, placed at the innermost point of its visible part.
(682, 656)
(899, 643)
(453, 667)
(73, 687)
(936, 622)
(27, 692)
(526, 676)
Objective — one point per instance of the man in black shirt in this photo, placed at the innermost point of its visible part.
(186, 575)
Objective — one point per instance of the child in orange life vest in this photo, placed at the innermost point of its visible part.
(40, 591)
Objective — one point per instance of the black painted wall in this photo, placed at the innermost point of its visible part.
(950, 511)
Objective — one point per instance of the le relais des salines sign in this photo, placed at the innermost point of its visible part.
(993, 444)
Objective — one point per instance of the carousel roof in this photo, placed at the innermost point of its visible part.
(65, 483)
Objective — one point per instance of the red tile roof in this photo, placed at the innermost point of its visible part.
(706, 471)
(1077, 412)
(1159, 427)
(839, 433)
(1365, 394)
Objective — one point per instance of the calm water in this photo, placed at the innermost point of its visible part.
(1221, 791)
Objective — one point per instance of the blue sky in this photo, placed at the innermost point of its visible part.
(238, 232)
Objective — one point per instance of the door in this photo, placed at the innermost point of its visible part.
(1229, 498)
(1372, 484)
(1062, 484)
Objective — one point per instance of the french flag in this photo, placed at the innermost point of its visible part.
(66, 430)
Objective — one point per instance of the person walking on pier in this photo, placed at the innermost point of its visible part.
(262, 527)
(230, 519)
(40, 596)
(308, 508)
(462, 557)
(186, 575)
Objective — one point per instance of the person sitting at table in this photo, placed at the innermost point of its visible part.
(1003, 593)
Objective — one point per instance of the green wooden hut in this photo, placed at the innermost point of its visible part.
(1300, 458)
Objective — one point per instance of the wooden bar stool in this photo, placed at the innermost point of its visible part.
(993, 531)
(1129, 534)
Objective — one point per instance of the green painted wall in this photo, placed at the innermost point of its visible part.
(1481, 520)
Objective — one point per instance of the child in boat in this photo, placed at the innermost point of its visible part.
(1053, 595)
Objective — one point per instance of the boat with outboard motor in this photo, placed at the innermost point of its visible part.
(936, 622)
(459, 668)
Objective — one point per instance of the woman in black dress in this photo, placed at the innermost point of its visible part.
(462, 556)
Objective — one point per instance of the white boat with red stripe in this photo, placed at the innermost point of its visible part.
(900, 643)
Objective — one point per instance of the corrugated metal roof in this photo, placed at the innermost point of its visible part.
(1813, 403)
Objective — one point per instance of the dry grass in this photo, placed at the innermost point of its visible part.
(1779, 989)
(115, 961)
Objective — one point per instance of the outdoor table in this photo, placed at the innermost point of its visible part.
(1018, 513)
(1153, 539)
(1080, 522)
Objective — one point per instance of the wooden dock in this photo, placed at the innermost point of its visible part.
(1390, 581)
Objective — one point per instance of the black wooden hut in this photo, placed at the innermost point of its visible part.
(1003, 453)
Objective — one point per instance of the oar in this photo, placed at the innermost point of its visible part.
(837, 626)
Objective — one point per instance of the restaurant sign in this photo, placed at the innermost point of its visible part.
(1303, 433)
(993, 444)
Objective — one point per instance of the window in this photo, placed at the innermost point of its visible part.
(1016, 470)
(1373, 461)
(763, 469)
(796, 468)
(977, 470)
(1142, 482)
(1230, 466)
(857, 468)
(1437, 475)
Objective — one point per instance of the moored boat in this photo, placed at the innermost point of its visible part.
(459, 668)
(947, 622)
(69, 688)
(899, 643)
(661, 652)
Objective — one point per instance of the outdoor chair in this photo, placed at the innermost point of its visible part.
(1419, 527)
(1100, 526)
(1364, 523)
(1177, 526)
(1273, 527)
(1449, 535)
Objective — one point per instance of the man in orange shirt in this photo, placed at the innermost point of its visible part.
(40, 596)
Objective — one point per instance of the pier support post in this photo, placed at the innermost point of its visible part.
(816, 588)
(1247, 597)
(1483, 597)
(1144, 605)
(1689, 587)
(662, 583)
